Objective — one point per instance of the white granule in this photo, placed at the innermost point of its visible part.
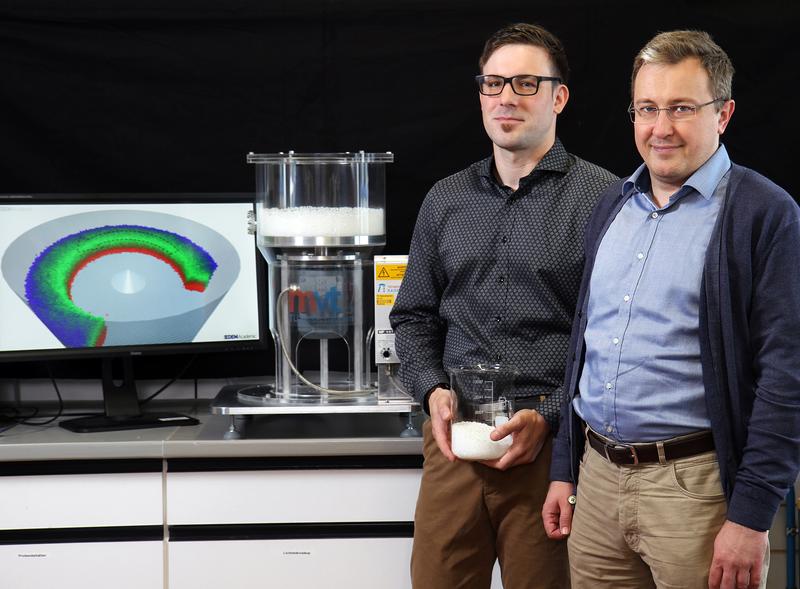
(470, 441)
(320, 221)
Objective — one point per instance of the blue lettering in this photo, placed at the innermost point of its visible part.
(329, 303)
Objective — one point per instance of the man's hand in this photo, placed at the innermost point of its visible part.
(557, 510)
(440, 405)
(738, 557)
(530, 433)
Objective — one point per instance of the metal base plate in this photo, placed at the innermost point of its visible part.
(259, 401)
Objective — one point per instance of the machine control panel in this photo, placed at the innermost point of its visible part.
(389, 272)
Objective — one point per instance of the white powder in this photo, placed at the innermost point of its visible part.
(470, 441)
(320, 221)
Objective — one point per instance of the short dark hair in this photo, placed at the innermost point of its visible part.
(528, 34)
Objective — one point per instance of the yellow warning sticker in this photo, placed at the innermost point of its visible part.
(390, 271)
(384, 299)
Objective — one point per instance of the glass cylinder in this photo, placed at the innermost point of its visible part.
(319, 221)
(483, 400)
(320, 199)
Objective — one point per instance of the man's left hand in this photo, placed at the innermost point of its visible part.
(738, 558)
(530, 432)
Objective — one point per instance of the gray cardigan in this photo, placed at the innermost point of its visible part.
(749, 341)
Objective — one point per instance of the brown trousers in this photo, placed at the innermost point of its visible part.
(468, 515)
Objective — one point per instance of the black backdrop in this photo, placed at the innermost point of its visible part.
(169, 96)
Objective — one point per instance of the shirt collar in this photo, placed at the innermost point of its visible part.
(704, 180)
(555, 160)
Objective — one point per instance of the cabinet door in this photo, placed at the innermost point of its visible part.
(81, 500)
(90, 565)
(289, 496)
(352, 563)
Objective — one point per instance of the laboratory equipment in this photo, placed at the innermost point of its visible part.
(319, 220)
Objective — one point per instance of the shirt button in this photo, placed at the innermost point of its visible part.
(626, 298)
(615, 340)
(609, 429)
(640, 255)
(609, 385)
(654, 215)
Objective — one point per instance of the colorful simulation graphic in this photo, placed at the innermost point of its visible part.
(121, 277)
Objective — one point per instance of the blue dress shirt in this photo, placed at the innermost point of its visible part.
(642, 379)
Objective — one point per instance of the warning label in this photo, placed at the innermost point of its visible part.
(384, 299)
(390, 271)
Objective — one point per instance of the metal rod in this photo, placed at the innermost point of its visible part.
(284, 379)
(323, 363)
(358, 324)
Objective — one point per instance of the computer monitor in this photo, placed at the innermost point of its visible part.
(117, 276)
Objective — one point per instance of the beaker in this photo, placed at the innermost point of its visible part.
(483, 400)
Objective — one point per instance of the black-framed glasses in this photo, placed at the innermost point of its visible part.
(523, 85)
(648, 113)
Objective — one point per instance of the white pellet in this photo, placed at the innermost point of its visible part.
(320, 221)
(470, 441)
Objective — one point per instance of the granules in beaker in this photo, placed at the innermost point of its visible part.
(470, 441)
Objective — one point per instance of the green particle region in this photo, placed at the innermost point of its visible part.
(49, 283)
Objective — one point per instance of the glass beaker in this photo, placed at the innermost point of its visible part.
(483, 399)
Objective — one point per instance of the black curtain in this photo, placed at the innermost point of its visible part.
(170, 95)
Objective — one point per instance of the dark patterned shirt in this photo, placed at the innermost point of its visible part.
(493, 276)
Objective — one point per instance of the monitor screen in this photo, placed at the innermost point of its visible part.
(118, 275)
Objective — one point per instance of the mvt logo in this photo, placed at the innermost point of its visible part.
(314, 302)
(322, 306)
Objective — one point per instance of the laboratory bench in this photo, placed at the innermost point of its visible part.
(298, 501)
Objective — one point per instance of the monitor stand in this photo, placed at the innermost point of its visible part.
(122, 409)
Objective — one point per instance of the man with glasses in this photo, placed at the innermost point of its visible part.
(493, 276)
(683, 378)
